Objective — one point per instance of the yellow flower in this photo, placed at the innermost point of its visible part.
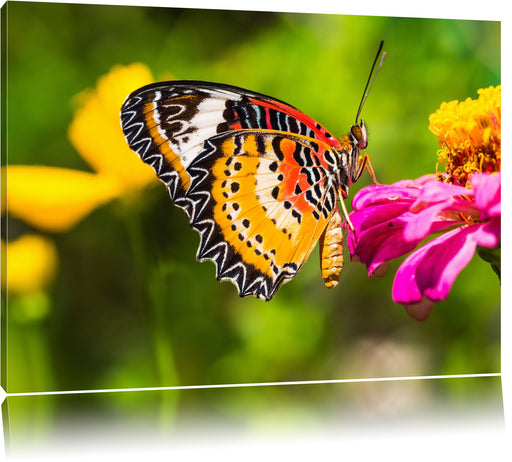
(96, 129)
(469, 135)
(31, 263)
(55, 199)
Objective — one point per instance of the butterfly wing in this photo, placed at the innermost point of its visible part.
(257, 206)
(197, 134)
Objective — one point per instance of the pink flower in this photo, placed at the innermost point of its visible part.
(392, 220)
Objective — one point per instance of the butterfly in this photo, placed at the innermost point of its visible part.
(258, 179)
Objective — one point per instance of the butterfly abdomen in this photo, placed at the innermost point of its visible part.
(331, 250)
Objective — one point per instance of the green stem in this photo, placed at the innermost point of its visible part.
(152, 284)
(30, 361)
(164, 355)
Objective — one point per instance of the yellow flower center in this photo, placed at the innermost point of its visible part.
(469, 135)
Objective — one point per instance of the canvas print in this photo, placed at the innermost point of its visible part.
(279, 205)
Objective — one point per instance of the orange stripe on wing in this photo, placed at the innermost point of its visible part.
(163, 145)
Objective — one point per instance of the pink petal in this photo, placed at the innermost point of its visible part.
(440, 268)
(420, 224)
(487, 194)
(431, 270)
(376, 241)
(381, 243)
(493, 211)
(421, 310)
(376, 215)
(490, 233)
(378, 194)
(405, 288)
(366, 219)
(423, 180)
(437, 191)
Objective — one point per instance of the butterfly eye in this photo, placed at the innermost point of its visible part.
(363, 141)
(359, 135)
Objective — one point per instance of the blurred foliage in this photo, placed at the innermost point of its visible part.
(130, 306)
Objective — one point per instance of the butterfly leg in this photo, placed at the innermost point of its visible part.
(331, 250)
(365, 162)
(345, 214)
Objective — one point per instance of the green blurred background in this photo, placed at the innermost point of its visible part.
(103, 323)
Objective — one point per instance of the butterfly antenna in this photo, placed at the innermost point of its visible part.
(371, 78)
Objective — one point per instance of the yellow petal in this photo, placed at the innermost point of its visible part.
(31, 263)
(55, 199)
(96, 128)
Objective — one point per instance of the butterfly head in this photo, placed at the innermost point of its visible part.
(358, 135)
(357, 140)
